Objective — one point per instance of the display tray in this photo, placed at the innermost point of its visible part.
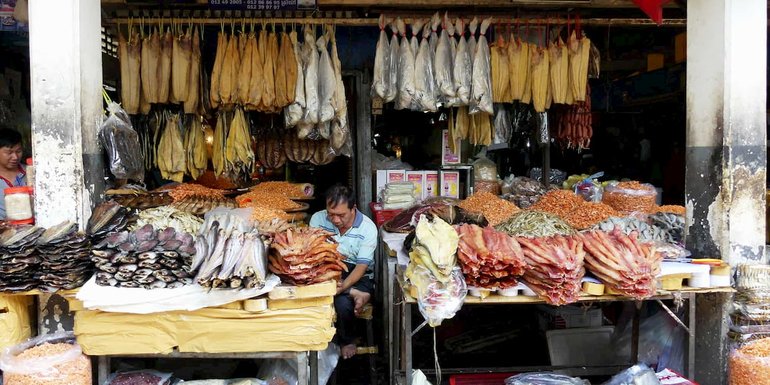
(302, 198)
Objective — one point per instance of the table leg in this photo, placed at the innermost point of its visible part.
(390, 345)
(691, 336)
(635, 332)
(314, 368)
(302, 370)
(103, 369)
(408, 341)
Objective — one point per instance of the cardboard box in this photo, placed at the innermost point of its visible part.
(418, 179)
(387, 176)
(450, 184)
(430, 185)
(655, 61)
(680, 48)
(447, 156)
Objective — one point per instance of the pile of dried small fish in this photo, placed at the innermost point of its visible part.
(106, 218)
(146, 258)
(535, 224)
(230, 253)
(672, 224)
(647, 233)
(63, 251)
(18, 258)
(166, 216)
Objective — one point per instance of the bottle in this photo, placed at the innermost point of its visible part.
(30, 173)
(18, 205)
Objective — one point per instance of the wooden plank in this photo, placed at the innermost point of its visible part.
(325, 289)
(301, 303)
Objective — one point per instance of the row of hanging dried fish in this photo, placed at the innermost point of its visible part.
(446, 69)
(273, 72)
(158, 67)
(542, 75)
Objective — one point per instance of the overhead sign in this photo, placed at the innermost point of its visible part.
(263, 5)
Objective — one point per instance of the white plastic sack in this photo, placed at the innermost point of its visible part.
(481, 95)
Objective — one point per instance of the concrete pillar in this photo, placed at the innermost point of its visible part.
(66, 80)
(66, 86)
(726, 153)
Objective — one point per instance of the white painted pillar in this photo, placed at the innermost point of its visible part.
(726, 154)
(66, 80)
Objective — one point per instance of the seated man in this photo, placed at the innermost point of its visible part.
(357, 238)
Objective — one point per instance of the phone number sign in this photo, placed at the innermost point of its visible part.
(262, 5)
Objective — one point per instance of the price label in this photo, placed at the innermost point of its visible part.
(263, 5)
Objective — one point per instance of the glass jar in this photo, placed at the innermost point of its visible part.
(18, 204)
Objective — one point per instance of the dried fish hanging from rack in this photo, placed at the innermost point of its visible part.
(518, 62)
(172, 161)
(289, 64)
(216, 72)
(310, 65)
(150, 64)
(269, 53)
(130, 55)
(481, 93)
(425, 94)
(415, 47)
(381, 72)
(293, 112)
(192, 100)
(340, 140)
(405, 69)
(393, 64)
(540, 79)
(501, 82)
(245, 68)
(256, 80)
(326, 88)
(181, 60)
(462, 72)
(579, 53)
(559, 69)
(443, 64)
(164, 68)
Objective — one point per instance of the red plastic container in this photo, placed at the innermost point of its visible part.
(381, 215)
(479, 379)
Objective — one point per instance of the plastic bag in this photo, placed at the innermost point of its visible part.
(443, 62)
(670, 250)
(503, 127)
(463, 67)
(544, 379)
(489, 186)
(139, 377)
(661, 340)
(57, 359)
(284, 371)
(750, 364)
(556, 176)
(594, 62)
(590, 188)
(543, 133)
(636, 375)
(393, 58)
(484, 169)
(438, 301)
(630, 200)
(121, 142)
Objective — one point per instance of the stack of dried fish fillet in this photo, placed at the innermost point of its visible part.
(579, 52)
(195, 145)
(238, 154)
(18, 259)
(540, 77)
(305, 256)
(64, 258)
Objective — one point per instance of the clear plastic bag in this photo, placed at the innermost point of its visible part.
(630, 200)
(484, 169)
(381, 63)
(556, 176)
(57, 359)
(590, 188)
(636, 375)
(140, 377)
(121, 142)
(439, 301)
(481, 91)
(543, 133)
(544, 379)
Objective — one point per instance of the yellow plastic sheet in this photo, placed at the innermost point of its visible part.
(14, 320)
(209, 330)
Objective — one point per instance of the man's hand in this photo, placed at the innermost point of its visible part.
(340, 287)
(352, 278)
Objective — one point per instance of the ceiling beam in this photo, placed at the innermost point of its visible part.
(432, 3)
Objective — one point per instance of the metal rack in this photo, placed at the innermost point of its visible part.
(401, 331)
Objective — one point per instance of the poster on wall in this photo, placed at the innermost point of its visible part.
(7, 21)
(263, 5)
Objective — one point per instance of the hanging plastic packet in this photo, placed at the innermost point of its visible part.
(121, 142)
(381, 72)
(503, 127)
(481, 93)
(438, 300)
(543, 133)
(424, 79)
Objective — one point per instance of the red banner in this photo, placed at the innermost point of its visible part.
(653, 8)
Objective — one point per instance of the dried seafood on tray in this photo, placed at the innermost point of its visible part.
(305, 256)
(489, 258)
(556, 267)
(622, 262)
